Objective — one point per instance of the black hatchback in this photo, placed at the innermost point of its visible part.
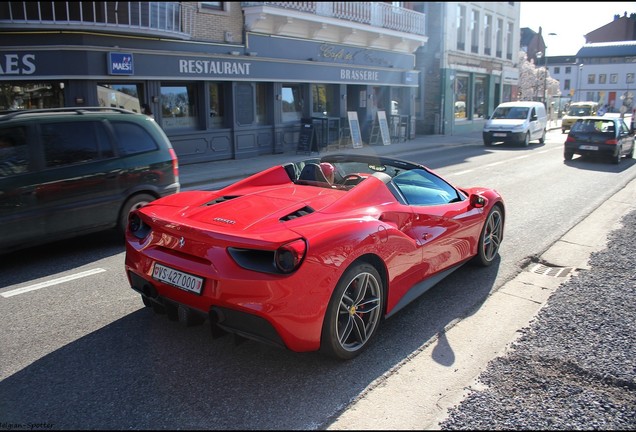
(71, 171)
(604, 136)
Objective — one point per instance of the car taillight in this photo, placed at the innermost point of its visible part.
(137, 227)
(289, 256)
(570, 138)
(612, 141)
(175, 164)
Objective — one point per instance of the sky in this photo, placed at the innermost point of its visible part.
(570, 21)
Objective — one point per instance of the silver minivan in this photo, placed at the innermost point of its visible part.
(516, 123)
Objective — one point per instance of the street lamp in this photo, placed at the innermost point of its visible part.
(545, 74)
(578, 81)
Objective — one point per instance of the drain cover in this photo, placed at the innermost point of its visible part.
(551, 271)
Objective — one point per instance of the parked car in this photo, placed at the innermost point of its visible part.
(607, 136)
(71, 171)
(516, 123)
(288, 258)
(576, 111)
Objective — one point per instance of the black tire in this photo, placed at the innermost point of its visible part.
(526, 140)
(490, 237)
(354, 312)
(630, 155)
(487, 143)
(568, 155)
(542, 139)
(133, 203)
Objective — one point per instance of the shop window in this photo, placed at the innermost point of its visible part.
(262, 104)
(217, 106)
(322, 99)
(244, 102)
(480, 109)
(20, 95)
(292, 103)
(178, 106)
(461, 97)
(116, 95)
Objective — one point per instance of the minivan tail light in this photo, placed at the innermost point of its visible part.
(175, 164)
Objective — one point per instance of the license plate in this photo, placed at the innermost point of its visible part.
(588, 147)
(499, 134)
(177, 278)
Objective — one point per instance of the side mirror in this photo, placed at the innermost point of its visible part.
(534, 118)
(477, 201)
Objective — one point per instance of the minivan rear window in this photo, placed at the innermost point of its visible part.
(132, 138)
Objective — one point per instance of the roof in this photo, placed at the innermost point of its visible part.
(608, 49)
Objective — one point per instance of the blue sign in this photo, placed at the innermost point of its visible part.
(120, 64)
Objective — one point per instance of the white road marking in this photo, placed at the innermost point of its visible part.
(51, 282)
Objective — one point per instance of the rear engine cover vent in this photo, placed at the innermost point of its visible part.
(298, 213)
(222, 199)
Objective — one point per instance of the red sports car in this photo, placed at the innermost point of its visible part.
(288, 257)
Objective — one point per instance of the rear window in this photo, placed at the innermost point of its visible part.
(594, 126)
(132, 138)
(580, 111)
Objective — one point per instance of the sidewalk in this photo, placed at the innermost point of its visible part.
(206, 173)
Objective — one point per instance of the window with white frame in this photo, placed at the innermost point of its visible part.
(474, 32)
(488, 34)
(629, 78)
(510, 40)
(499, 36)
(461, 27)
(613, 78)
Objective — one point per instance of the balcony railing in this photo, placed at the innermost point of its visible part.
(171, 18)
(375, 14)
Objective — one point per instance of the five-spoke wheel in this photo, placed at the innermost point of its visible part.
(490, 237)
(354, 312)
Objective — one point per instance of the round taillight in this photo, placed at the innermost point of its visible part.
(289, 256)
(137, 227)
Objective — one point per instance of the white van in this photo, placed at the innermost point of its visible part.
(516, 122)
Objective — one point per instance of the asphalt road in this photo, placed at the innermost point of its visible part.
(83, 352)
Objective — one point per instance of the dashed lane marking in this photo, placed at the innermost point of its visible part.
(51, 282)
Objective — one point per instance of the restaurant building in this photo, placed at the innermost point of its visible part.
(225, 80)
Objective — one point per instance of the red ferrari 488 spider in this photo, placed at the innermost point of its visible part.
(310, 255)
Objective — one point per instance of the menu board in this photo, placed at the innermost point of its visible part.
(354, 127)
(384, 128)
(306, 141)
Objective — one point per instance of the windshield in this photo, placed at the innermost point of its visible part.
(579, 111)
(520, 113)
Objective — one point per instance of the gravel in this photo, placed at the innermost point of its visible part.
(574, 366)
